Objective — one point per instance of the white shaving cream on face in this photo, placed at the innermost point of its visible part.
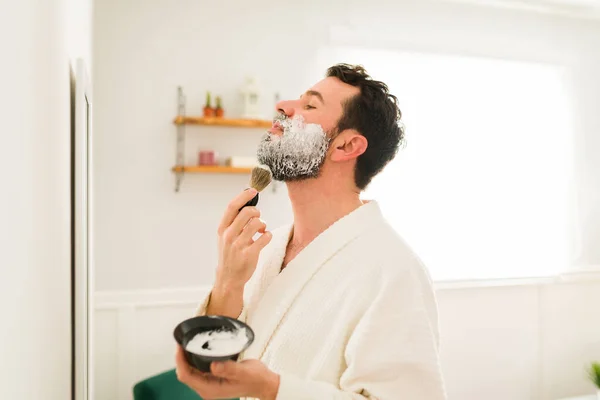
(297, 154)
(218, 343)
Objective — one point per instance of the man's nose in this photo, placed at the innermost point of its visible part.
(286, 107)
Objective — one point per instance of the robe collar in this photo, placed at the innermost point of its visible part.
(276, 291)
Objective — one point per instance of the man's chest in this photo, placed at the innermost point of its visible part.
(311, 338)
(318, 298)
(322, 315)
(291, 252)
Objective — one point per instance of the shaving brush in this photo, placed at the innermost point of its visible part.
(261, 178)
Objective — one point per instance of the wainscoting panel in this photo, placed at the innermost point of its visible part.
(133, 336)
(527, 341)
(571, 337)
(105, 352)
(489, 339)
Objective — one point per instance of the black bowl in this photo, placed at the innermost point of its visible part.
(186, 330)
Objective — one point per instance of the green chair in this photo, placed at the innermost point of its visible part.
(164, 386)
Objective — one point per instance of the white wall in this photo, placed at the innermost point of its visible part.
(35, 338)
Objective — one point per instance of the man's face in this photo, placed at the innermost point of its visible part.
(295, 148)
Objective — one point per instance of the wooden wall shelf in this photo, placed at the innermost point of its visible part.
(210, 169)
(213, 121)
(182, 121)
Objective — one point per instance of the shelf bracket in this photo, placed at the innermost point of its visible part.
(180, 148)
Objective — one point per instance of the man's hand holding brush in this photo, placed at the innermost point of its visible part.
(238, 251)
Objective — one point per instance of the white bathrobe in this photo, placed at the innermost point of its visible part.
(353, 316)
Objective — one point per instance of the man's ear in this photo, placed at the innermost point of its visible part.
(348, 145)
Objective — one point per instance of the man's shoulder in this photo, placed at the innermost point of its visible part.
(383, 239)
(398, 267)
(391, 253)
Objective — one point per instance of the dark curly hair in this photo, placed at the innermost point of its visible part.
(375, 114)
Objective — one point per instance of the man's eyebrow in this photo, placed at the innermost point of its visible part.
(316, 94)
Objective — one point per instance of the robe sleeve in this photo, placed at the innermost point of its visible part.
(393, 351)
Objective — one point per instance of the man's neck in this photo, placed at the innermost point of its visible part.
(316, 206)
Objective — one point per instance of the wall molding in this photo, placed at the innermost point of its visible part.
(192, 295)
(575, 275)
(142, 298)
(585, 10)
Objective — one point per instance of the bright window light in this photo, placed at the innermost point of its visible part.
(481, 190)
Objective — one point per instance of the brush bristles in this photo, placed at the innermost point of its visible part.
(261, 177)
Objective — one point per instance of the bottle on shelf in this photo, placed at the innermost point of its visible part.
(251, 95)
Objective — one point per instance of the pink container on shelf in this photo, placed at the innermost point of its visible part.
(206, 158)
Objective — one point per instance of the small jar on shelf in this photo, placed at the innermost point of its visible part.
(207, 157)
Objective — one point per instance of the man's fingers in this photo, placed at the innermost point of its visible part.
(229, 370)
(182, 368)
(242, 219)
(262, 241)
(180, 357)
(233, 208)
(203, 383)
(253, 227)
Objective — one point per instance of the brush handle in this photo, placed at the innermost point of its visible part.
(252, 202)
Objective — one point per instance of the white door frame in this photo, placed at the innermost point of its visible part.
(82, 234)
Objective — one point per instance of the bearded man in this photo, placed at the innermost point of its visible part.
(340, 305)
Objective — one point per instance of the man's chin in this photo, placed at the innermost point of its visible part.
(289, 178)
(286, 174)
